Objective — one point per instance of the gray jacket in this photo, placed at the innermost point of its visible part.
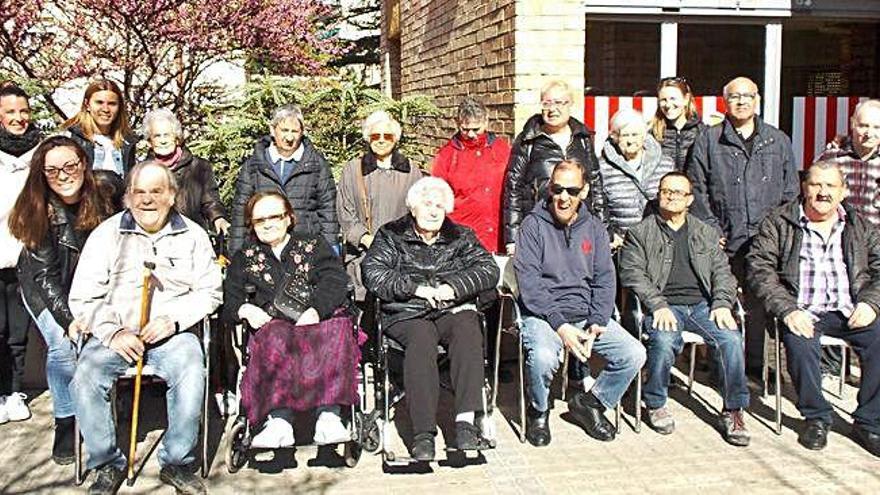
(626, 190)
(386, 192)
(107, 285)
(646, 260)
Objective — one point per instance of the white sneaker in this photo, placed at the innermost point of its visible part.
(276, 433)
(4, 416)
(16, 408)
(330, 430)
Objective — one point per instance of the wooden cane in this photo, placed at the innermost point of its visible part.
(135, 406)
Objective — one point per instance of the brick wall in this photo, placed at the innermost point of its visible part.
(450, 49)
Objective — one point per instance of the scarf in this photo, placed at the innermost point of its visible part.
(475, 143)
(16, 145)
(171, 160)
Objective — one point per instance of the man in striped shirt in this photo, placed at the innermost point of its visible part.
(815, 264)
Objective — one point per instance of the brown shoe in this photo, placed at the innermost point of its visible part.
(733, 428)
(661, 420)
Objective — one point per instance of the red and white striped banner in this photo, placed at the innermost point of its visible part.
(815, 122)
(598, 111)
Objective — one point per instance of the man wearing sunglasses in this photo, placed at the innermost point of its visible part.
(741, 169)
(673, 263)
(567, 287)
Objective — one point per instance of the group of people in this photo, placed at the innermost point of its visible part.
(672, 216)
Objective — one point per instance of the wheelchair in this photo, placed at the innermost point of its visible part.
(388, 392)
(148, 373)
(238, 441)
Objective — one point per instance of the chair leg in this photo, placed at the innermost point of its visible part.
(497, 356)
(565, 375)
(693, 361)
(617, 418)
(522, 391)
(844, 360)
(206, 420)
(637, 404)
(778, 375)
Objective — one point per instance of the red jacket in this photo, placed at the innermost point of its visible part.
(475, 170)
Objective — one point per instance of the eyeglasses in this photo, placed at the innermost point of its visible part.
(743, 97)
(383, 136)
(68, 168)
(550, 104)
(556, 190)
(256, 222)
(674, 193)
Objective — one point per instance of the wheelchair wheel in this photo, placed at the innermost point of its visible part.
(352, 453)
(371, 432)
(236, 451)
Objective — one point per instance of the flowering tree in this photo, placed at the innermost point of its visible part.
(159, 50)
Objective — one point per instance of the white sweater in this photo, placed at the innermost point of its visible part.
(13, 174)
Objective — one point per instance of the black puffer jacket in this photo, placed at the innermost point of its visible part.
(309, 187)
(129, 144)
(399, 261)
(734, 190)
(677, 143)
(532, 158)
(773, 262)
(46, 272)
(197, 196)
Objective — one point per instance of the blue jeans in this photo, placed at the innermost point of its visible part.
(727, 349)
(60, 361)
(623, 354)
(178, 361)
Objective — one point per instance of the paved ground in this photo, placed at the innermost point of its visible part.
(693, 459)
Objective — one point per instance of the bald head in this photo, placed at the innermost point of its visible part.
(742, 100)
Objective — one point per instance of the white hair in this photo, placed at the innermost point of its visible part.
(426, 186)
(558, 83)
(158, 115)
(626, 117)
(380, 117)
(864, 105)
(285, 112)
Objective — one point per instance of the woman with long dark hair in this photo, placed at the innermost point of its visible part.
(62, 201)
(102, 129)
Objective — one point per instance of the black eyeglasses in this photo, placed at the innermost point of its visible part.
(68, 168)
(557, 189)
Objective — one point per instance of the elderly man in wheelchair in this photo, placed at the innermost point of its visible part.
(427, 272)
(183, 286)
(675, 265)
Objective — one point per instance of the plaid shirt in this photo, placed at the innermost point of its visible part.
(862, 179)
(824, 282)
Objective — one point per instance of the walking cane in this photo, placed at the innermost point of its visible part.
(145, 318)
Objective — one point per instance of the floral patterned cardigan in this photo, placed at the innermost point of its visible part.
(306, 255)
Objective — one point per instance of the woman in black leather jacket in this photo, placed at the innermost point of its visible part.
(427, 272)
(62, 202)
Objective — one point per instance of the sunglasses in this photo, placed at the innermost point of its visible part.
(383, 136)
(271, 218)
(556, 190)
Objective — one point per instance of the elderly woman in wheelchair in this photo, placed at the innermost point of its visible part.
(300, 349)
(427, 272)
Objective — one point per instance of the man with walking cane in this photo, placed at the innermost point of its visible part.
(185, 286)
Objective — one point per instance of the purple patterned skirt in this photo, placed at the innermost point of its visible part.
(301, 368)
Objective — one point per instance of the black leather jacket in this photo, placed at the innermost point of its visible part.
(532, 158)
(45, 273)
(399, 261)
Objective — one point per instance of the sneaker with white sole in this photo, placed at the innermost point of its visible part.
(4, 417)
(16, 407)
(330, 430)
(276, 433)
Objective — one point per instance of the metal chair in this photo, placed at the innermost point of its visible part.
(690, 339)
(825, 341)
(149, 372)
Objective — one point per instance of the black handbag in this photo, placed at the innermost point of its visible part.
(293, 298)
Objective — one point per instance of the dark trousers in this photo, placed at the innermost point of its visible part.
(756, 316)
(14, 322)
(804, 368)
(460, 334)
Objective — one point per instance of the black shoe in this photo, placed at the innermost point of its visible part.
(815, 435)
(108, 481)
(63, 445)
(182, 480)
(588, 412)
(869, 440)
(469, 437)
(423, 447)
(538, 428)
